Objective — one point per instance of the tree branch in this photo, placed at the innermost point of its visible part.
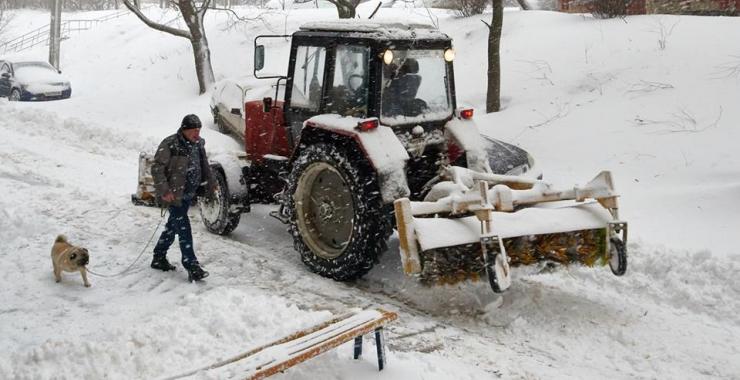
(376, 10)
(240, 18)
(204, 8)
(154, 25)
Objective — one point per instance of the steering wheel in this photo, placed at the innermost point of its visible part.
(352, 80)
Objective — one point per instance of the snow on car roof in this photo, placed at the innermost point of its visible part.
(386, 28)
(33, 63)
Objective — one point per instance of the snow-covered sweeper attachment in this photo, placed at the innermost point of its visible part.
(474, 222)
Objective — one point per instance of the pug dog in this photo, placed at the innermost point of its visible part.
(66, 257)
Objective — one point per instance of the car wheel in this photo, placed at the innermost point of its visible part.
(219, 121)
(15, 95)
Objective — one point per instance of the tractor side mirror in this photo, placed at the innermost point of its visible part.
(259, 57)
(266, 104)
(236, 111)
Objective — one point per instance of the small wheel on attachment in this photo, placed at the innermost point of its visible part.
(617, 256)
(499, 273)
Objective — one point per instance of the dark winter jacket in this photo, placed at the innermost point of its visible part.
(171, 164)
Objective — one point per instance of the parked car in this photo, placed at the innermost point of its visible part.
(227, 101)
(32, 80)
(227, 107)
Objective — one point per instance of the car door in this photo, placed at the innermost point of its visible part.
(5, 79)
(233, 108)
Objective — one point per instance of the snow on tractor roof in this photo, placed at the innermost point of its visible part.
(385, 29)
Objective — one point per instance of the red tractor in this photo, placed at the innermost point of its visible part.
(369, 120)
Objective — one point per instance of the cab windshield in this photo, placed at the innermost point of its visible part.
(415, 88)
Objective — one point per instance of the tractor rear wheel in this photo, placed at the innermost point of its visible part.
(216, 213)
(337, 219)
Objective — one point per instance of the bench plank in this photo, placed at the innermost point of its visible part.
(279, 355)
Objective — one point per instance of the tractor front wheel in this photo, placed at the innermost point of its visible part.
(336, 212)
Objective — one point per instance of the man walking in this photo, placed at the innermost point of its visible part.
(181, 171)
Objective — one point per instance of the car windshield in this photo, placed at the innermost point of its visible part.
(415, 88)
(34, 72)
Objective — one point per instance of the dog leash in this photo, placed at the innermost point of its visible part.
(162, 213)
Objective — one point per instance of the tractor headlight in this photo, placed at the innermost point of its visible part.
(449, 55)
(388, 57)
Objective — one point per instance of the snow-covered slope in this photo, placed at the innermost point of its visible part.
(580, 94)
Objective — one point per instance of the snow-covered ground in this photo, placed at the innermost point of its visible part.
(580, 94)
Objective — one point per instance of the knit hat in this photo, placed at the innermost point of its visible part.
(190, 122)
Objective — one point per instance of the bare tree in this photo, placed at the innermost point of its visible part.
(467, 8)
(346, 8)
(493, 97)
(3, 23)
(196, 34)
(15, 4)
(5, 18)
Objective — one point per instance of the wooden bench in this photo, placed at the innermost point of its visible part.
(277, 356)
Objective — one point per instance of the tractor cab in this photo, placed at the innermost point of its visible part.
(400, 74)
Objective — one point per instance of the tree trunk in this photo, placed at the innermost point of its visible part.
(55, 32)
(493, 98)
(346, 8)
(524, 5)
(203, 68)
(201, 52)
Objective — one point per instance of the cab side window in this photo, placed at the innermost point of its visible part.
(308, 77)
(4, 69)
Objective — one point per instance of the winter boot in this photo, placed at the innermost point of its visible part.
(196, 273)
(161, 263)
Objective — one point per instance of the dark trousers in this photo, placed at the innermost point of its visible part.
(178, 224)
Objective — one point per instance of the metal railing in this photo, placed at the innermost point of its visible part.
(41, 35)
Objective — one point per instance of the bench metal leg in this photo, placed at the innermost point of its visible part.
(358, 347)
(380, 345)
